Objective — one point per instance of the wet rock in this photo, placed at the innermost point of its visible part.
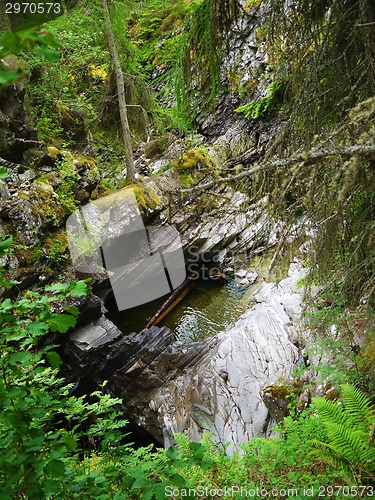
(221, 394)
(244, 283)
(135, 365)
(252, 276)
(244, 278)
(241, 273)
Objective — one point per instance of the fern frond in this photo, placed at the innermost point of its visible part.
(182, 442)
(330, 411)
(348, 427)
(358, 406)
(348, 442)
(326, 454)
(161, 461)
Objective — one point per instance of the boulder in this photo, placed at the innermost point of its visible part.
(221, 393)
(16, 134)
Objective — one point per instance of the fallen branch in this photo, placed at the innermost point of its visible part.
(364, 24)
(279, 247)
(177, 295)
(305, 157)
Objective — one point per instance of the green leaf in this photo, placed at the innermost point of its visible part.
(37, 329)
(70, 442)
(148, 495)
(74, 311)
(57, 287)
(49, 55)
(177, 480)
(61, 322)
(3, 173)
(172, 453)
(54, 360)
(79, 288)
(4, 245)
(128, 480)
(8, 77)
(55, 468)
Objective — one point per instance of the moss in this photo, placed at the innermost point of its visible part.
(278, 391)
(26, 256)
(252, 4)
(146, 197)
(192, 160)
(187, 180)
(53, 152)
(44, 202)
(56, 247)
(102, 190)
(261, 34)
(50, 178)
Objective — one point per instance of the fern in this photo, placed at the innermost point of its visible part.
(358, 405)
(349, 425)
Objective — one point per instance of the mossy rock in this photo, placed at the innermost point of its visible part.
(192, 160)
(146, 197)
(45, 203)
(100, 191)
(276, 397)
(56, 248)
(252, 4)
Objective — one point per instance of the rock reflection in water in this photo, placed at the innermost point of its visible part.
(209, 308)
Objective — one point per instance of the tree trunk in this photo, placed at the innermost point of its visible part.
(130, 172)
(4, 19)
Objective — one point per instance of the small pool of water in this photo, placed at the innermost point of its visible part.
(209, 307)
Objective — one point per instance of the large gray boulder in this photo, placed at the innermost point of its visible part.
(221, 394)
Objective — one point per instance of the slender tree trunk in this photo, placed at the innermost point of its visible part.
(4, 19)
(130, 172)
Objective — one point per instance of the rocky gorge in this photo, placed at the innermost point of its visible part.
(256, 205)
(168, 386)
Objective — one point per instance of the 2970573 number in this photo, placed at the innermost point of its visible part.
(346, 491)
(33, 8)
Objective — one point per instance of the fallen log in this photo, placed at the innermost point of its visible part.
(174, 299)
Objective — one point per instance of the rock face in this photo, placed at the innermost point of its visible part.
(214, 386)
(16, 136)
(245, 75)
(221, 393)
(224, 223)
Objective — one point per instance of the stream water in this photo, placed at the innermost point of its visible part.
(210, 306)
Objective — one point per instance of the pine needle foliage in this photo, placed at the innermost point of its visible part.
(350, 428)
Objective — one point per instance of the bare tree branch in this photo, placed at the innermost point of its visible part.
(305, 157)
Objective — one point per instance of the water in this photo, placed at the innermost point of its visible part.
(210, 307)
